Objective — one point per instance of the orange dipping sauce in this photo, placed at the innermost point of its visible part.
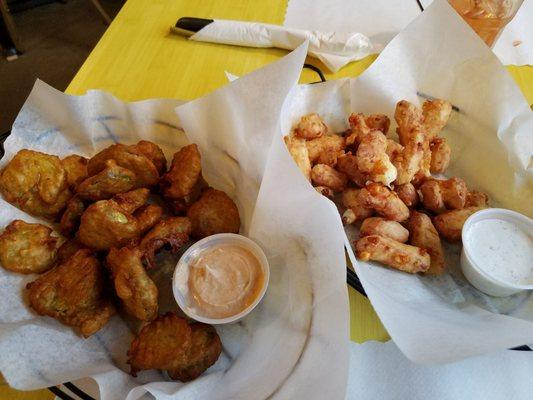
(224, 280)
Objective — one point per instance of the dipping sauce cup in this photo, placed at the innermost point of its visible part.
(497, 255)
(221, 278)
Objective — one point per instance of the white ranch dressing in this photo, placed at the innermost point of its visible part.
(503, 250)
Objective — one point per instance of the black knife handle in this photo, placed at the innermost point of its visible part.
(189, 26)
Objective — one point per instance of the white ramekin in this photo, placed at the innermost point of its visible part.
(472, 271)
(192, 253)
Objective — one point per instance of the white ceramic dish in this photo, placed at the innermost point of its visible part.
(191, 255)
(477, 273)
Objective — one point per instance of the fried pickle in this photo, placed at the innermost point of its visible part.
(70, 220)
(215, 212)
(76, 169)
(112, 180)
(36, 183)
(27, 248)
(133, 286)
(128, 157)
(184, 174)
(185, 350)
(153, 152)
(392, 253)
(111, 223)
(173, 231)
(73, 293)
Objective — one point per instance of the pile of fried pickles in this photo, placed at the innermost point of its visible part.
(115, 211)
(388, 186)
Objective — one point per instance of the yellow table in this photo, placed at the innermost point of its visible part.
(137, 58)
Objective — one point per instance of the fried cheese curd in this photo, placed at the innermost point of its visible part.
(135, 289)
(375, 174)
(74, 293)
(118, 221)
(27, 248)
(184, 349)
(215, 212)
(36, 183)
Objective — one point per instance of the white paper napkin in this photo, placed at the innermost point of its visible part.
(381, 371)
(334, 49)
(381, 20)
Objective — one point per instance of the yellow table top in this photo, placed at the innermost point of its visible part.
(137, 58)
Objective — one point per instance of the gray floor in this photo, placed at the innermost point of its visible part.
(57, 39)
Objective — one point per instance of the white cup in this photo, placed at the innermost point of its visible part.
(473, 271)
(192, 254)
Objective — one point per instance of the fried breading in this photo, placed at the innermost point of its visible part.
(392, 253)
(129, 157)
(347, 164)
(111, 223)
(27, 248)
(153, 152)
(440, 155)
(407, 115)
(76, 169)
(354, 209)
(439, 195)
(136, 290)
(383, 227)
(424, 235)
(36, 183)
(372, 158)
(173, 231)
(70, 220)
(450, 224)
(215, 212)
(67, 250)
(435, 116)
(324, 145)
(408, 194)
(324, 175)
(475, 198)
(310, 126)
(184, 173)
(169, 343)
(112, 180)
(74, 294)
(298, 150)
(384, 201)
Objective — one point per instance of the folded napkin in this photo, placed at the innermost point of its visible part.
(334, 49)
